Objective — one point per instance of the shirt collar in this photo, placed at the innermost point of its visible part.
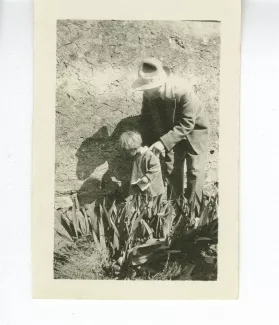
(167, 89)
(142, 150)
(163, 91)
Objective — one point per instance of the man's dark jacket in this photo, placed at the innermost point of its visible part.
(181, 116)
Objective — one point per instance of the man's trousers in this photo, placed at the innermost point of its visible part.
(174, 171)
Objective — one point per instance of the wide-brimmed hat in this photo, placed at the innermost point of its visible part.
(151, 74)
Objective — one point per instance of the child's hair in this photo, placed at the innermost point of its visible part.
(130, 140)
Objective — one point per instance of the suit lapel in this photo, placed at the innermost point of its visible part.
(170, 99)
(170, 108)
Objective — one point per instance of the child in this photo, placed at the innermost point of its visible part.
(146, 176)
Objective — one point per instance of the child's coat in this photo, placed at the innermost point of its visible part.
(145, 163)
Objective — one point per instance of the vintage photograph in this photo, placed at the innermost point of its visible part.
(136, 150)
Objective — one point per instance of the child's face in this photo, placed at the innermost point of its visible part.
(132, 151)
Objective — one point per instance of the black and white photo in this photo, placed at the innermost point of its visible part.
(136, 150)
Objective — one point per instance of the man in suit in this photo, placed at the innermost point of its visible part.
(175, 125)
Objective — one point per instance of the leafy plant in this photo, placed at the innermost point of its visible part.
(145, 232)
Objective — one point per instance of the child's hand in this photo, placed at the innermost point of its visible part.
(144, 180)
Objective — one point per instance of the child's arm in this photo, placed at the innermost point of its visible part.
(153, 167)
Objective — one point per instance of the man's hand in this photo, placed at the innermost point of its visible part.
(158, 148)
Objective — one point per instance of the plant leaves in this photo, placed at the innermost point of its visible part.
(67, 238)
(204, 217)
(116, 232)
(58, 215)
(186, 272)
(136, 221)
(93, 218)
(121, 221)
(75, 220)
(102, 239)
(95, 239)
(87, 229)
(76, 202)
(113, 212)
(210, 259)
(202, 239)
(148, 229)
(81, 223)
(116, 245)
(104, 212)
(67, 224)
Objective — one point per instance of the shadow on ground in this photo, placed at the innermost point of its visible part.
(102, 166)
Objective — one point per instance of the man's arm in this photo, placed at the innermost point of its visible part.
(185, 124)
